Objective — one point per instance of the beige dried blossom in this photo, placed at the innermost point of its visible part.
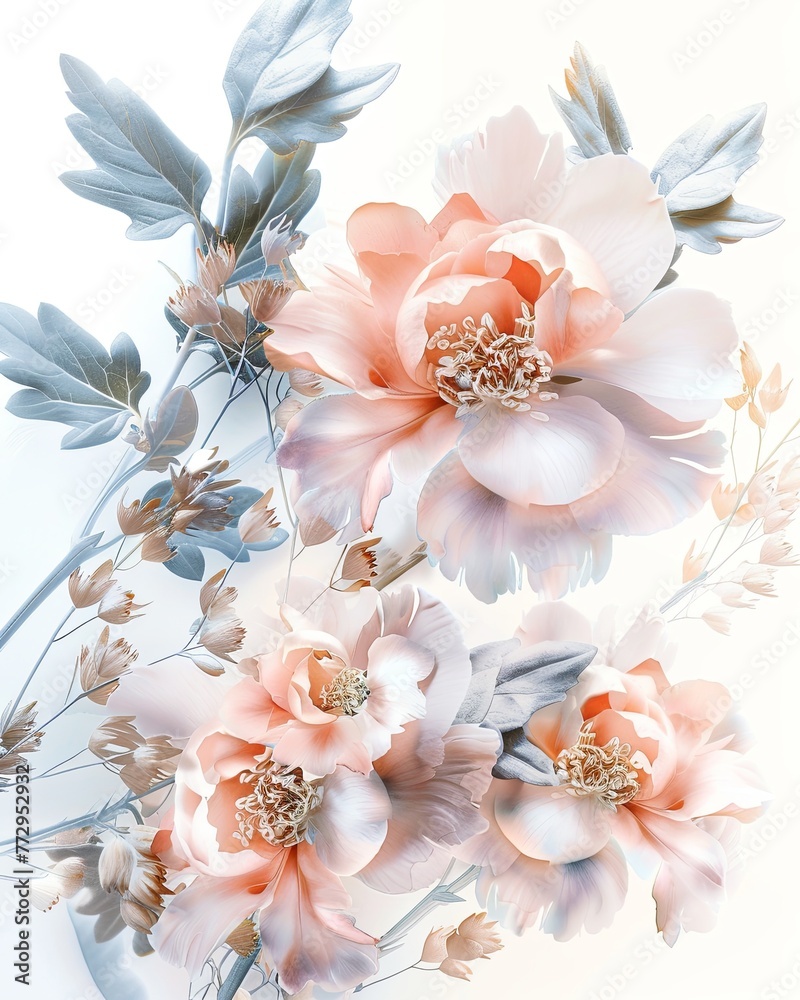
(142, 762)
(776, 551)
(197, 501)
(305, 382)
(751, 369)
(361, 563)
(758, 579)
(756, 415)
(194, 306)
(117, 608)
(732, 594)
(18, 736)
(63, 880)
(231, 331)
(244, 938)
(719, 619)
(215, 267)
(127, 867)
(84, 591)
(258, 523)
(139, 518)
(278, 242)
(724, 499)
(104, 662)
(771, 395)
(266, 297)
(789, 476)
(737, 402)
(287, 409)
(693, 564)
(222, 632)
(154, 548)
(451, 948)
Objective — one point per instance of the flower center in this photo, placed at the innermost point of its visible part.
(346, 693)
(278, 806)
(477, 363)
(606, 772)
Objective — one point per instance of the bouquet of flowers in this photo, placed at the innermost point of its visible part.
(521, 377)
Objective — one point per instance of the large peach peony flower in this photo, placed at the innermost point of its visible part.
(631, 767)
(511, 351)
(337, 757)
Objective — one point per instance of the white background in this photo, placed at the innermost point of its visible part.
(462, 61)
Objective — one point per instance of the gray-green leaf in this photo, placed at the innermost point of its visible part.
(280, 186)
(697, 175)
(592, 113)
(279, 83)
(70, 377)
(143, 169)
(705, 229)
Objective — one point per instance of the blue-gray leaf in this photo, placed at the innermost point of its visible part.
(279, 84)
(509, 684)
(143, 169)
(70, 377)
(592, 113)
(705, 229)
(189, 563)
(317, 114)
(280, 186)
(698, 173)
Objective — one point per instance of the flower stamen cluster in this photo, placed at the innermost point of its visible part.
(606, 771)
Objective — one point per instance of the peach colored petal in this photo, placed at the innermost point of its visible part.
(199, 918)
(435, 788)
(474, 532)
(334, 331)
(509, 167)
(654, 486)
(341, 447)
(571, 454)
(673, 352)
(570, 897)
(547, 823)
(627, 230)
(553, 621)
(306, 931)
(350, 824)
(572, 320)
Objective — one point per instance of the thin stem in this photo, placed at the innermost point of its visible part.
(383, 979)
(60, 712)
(291, 562)
(66, 635)
(429, 903)
(38, 663)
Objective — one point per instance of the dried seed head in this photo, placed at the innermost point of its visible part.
(194, 306)
(258, 523)
(215, 267)
(84, 591)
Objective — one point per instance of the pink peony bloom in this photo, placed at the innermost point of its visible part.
(511, 351)
(290, 788)
(641, 769)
